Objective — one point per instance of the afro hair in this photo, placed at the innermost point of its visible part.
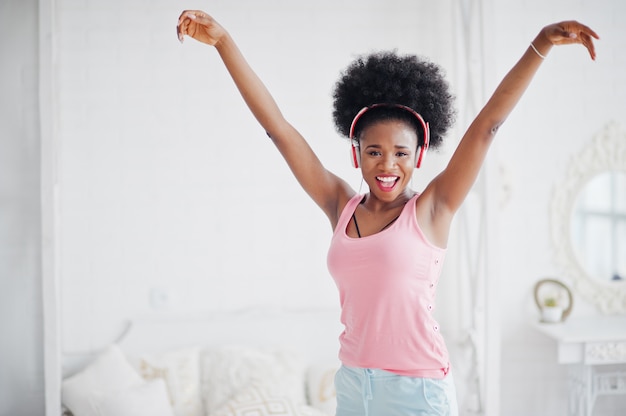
(389, 78)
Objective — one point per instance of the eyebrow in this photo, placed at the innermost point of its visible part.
(397, 146)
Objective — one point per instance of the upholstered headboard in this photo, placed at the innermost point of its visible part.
(311, 332)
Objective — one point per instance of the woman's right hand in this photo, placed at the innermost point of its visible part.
(200, 26)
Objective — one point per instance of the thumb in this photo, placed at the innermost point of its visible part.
(566, 33)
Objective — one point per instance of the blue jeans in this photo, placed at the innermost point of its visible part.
(372, 392)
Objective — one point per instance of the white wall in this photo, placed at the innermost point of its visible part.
(21, 339)
(171, 196)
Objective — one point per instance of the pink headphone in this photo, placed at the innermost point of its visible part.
(356, 156)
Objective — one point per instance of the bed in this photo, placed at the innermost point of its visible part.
(250, 362)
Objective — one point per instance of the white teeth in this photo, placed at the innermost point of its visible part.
(386, 178)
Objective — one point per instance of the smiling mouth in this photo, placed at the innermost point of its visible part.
(387, 182)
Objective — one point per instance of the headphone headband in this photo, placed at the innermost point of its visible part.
(424, 124)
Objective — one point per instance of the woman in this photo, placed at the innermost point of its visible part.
(388, 245)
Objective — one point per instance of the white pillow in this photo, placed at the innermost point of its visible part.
(320, 386)
(258, 401)
(110, 371)
(180, 369)
(147, 399)
(228, 369)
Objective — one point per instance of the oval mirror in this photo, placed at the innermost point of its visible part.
(588, 219)
(598, 226)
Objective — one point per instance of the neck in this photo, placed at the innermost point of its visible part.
(373, 204)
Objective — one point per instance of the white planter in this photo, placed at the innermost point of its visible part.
(551, 314)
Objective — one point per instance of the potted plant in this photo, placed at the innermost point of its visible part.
(553, 299)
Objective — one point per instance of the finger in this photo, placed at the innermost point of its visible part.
(592, 52)
(182, 29)
(186, 13)
(586, 37)
(194, 15)
(588, 31)
(587, 41)
(568, 33)
(191, 16)
(580, 30)
(182, 25)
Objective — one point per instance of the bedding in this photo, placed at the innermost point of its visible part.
(228, 369)
(180, 371)
(260, 401)
(320, 385)
(149, 398)
(110, 372)
(227, 380)
(276, 359)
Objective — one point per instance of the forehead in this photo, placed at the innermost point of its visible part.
(389, 132)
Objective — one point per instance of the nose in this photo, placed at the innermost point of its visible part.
(388, 161)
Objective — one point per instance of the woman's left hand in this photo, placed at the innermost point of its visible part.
(200, 26)
(569, 32)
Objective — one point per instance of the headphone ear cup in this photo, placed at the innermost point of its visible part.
(424, 147)
(355, 156)
(420, 156)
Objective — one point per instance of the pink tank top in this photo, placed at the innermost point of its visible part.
(387, 283)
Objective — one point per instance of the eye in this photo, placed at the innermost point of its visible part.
(374, 153)
(402, 154)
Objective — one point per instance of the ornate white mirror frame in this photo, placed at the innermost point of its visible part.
(605, 152)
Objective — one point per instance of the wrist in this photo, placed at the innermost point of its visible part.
(541, 45)
(223, 41)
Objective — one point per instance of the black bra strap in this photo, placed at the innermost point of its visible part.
(356, 225)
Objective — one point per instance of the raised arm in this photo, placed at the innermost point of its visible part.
(448, 190)
(326, 189)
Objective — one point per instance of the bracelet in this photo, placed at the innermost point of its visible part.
(536, 51)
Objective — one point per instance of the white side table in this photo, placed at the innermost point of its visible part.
(587, 344)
